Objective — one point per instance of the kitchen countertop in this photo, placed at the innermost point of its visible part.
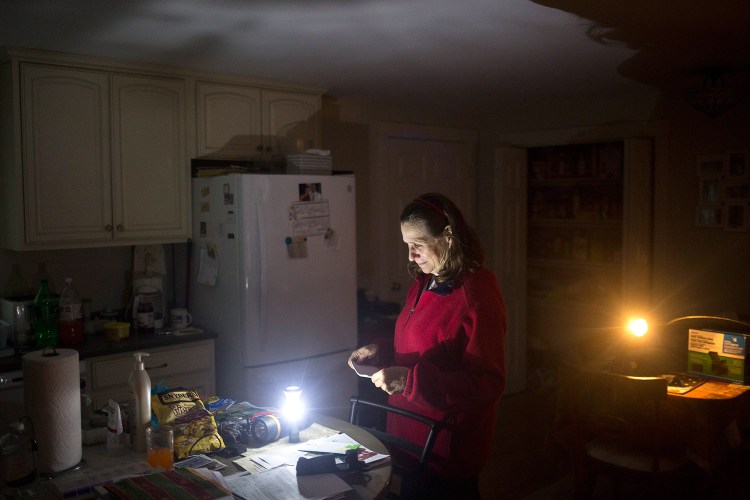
(98, 345)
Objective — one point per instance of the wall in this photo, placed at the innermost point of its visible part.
(697, 270)
(99, 274)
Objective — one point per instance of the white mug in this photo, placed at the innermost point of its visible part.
(180, 318)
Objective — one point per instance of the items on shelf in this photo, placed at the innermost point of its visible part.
(575, 210)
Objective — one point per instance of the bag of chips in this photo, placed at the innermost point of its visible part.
(194, 426)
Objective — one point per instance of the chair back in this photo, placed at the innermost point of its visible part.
(423, 451)
(614, 406)
(409, 477)
(618, 428)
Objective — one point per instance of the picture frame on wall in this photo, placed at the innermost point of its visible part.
(709, 216)
(735, 217)
(737, 163)
(710, 165)
(710, 190)
(737, 189)
(724, 190)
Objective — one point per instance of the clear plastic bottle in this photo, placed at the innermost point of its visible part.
(44, 318)
(17, 456)
(17, 285)
(70, 319)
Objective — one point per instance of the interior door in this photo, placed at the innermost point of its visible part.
(410, 160)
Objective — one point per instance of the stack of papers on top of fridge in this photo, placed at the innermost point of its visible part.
(308, 164)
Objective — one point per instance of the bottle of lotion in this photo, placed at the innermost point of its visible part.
(139, 391)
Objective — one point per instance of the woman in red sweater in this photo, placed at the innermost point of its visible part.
(447, 359)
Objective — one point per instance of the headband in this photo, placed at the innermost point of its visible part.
(432, 206)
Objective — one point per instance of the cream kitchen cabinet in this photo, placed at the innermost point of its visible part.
(94, 157)
(241, 121)
(95, 152)
(189, 365)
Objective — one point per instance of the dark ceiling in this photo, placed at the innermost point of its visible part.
(479, 53)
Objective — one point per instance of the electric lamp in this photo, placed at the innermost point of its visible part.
(293, 411)
(637, 327)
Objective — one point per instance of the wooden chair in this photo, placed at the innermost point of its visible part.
(618, 432)
(408, 460)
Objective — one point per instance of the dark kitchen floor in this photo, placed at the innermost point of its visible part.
(525, 459)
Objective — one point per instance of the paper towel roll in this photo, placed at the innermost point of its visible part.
(52, 395)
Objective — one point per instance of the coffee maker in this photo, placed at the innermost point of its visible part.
(148, 307)
(148, 303)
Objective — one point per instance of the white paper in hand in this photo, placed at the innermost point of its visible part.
(366, 371)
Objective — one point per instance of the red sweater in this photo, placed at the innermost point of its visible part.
(453, 344)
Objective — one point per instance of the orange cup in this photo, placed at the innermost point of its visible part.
(160, 446)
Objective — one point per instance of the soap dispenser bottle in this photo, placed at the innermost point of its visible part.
(139, 391)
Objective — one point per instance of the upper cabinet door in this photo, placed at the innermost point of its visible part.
(65, 137)
(150, 168)
(290, 121)
(228, 120)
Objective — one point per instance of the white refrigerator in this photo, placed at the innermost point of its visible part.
(273, 274)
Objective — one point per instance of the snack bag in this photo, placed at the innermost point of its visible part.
(194, 427)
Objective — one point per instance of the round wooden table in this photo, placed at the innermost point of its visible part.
(366, 485)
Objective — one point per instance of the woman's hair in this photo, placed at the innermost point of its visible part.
(440, 218)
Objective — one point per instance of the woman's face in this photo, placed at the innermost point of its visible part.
(424, 250)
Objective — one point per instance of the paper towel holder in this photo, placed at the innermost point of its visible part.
(54, 352)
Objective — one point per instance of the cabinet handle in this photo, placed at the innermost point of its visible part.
(259, 147)
(120, 228)
(269, 149)
(108, 228)
(163, 365)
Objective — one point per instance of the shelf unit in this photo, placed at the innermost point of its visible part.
(575, 225)
(564, 294)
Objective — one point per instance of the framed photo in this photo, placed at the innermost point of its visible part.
(710, 190)
(711, 165)
(737, 189)
(709, 216)
(735, 217)
(737, 163)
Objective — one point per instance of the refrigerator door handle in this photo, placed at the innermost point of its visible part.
(263, 310)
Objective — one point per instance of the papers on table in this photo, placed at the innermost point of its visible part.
(199, 461)
(283, 483)
(82, 481)
(678, 383)
(288, 455)
(177, 483)
(273, 471)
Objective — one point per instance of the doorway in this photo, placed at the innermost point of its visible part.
(407, 161)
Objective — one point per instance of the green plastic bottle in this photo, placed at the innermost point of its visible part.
(44, 319)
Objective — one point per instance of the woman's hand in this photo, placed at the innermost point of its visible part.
(364, 355)
(392, 379)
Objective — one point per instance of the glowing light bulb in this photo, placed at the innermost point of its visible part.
(293, 410)
(637, 327)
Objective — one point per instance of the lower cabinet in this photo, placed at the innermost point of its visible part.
(189, 365)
